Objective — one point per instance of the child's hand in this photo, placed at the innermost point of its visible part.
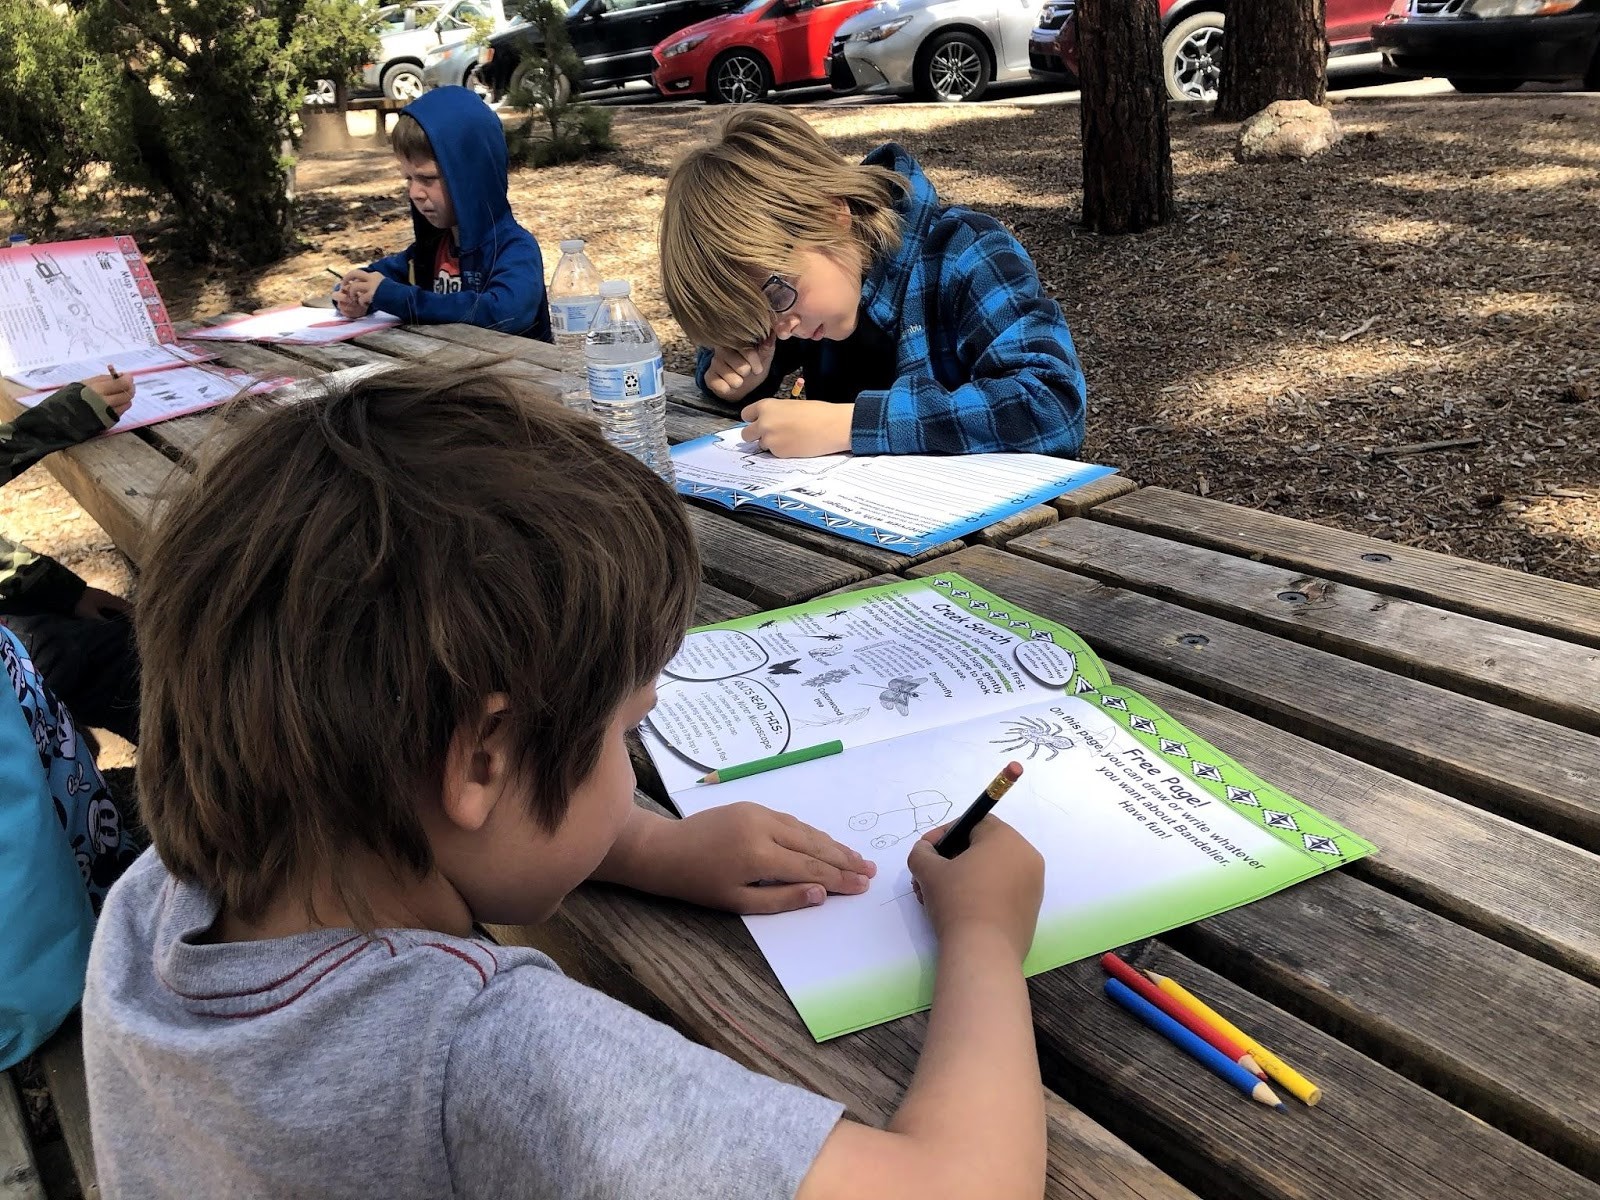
(741, 857)
(115, 390)
(799, 428)
(733, 373)
(996, 883)
(354, 294)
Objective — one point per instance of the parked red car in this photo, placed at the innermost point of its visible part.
(1191, 44)
(741, 56)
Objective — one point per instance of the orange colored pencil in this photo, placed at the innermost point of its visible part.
(1118, 969)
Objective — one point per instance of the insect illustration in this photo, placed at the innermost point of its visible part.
(923, 811)
(825, 637)
(837, 613)
(786, 667)
(900, 691)
(766, 625)
(1037, 735)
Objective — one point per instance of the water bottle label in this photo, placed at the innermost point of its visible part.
(610, 383)
(572, 316)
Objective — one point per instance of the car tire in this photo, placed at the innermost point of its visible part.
(403, 81)
(472, 83)
(520, 76)
(1478, 87)
(952, 67)
(738, 77)
(1191, 57)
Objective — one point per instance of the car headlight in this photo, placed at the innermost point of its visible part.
(876, 33)
(1519, 8)
(682, 46)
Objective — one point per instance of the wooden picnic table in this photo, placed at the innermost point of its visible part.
(1445, 993)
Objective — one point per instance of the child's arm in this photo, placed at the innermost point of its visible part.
(511, 301)
(972, 1123)
(394, 266)
(1024, 388)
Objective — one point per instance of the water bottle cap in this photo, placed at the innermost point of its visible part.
(572, 245)
(613, 288)
(17, 237)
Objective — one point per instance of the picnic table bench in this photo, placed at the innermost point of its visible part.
(1445, 993)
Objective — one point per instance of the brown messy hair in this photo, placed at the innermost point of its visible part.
(764, 187)
(409, 140)
(344, 584)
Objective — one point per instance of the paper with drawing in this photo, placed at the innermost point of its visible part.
(64, 302)
(178, 392)
(903, 502)
(933, 685)
(296, 325)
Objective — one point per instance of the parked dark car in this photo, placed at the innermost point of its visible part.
(1493, 45)
(612, 37)
(1191, 41)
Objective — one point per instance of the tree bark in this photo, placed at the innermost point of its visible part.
(1273, 50)
(1127, 155)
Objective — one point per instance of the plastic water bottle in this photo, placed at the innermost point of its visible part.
(19, 239)
(574, 297)
(626, 385)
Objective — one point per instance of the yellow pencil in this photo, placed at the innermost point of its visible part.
(1278, 1070)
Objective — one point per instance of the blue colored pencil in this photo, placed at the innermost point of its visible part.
(1197, 1047)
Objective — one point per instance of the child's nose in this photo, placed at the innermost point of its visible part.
(787, 323)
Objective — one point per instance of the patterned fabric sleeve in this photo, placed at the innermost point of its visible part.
(101, 843)
(1024, 390)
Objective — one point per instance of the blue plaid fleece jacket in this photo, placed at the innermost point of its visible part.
(982, 359)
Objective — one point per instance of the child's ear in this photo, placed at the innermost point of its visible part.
(841, 214)
(477, 767)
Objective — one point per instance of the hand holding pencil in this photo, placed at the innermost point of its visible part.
(994, 887)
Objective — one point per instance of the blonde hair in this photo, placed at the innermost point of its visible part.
(763, 188)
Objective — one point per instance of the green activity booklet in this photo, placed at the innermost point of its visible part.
(933, 685)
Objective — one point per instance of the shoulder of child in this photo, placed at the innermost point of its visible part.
(553, 1088)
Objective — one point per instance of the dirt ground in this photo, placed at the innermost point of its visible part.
(1432, 278)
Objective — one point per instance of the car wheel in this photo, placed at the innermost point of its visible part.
(520, 80)
(1475, 87)
(1192, 52)
(402, 82)
(472, 83)
(321, 94)
(952, 67)
(738, 77)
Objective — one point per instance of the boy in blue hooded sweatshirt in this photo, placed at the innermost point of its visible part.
(471, 262)
(920, 328)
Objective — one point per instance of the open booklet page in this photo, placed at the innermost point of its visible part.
(178, 392)
(1143, 825)
(63, 302)
(903, 502)
(297, 324)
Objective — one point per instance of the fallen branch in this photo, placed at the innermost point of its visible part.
(1424, 447)
(1359, 330)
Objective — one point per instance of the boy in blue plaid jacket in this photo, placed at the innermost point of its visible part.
(918, 328)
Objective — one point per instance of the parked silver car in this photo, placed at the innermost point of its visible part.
(409, 31)
(454, 64)
(937, 49)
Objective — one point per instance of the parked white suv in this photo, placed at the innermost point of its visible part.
(939, 49)
(411, 30)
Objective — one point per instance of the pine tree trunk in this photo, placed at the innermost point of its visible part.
(1127, 157)
(1273, 50)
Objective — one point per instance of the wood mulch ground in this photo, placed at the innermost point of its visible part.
(1282, 344)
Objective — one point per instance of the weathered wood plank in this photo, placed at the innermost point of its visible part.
(336, 356)
(1540, 773)
(412, 346)
(684, 424)
(62, 1056)
(1017, 524)
(712, 604)
(761, 568)
(1512, 883)
(701, 971)
(1515, 598)
(1510, 1039)
(1356, 1143)
(1080, 500)
(19, 1173)
(1533, 673)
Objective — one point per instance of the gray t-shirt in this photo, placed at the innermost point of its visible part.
(409, 1065)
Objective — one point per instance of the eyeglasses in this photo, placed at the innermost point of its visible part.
(780, 293)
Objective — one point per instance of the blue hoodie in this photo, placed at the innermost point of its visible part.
(502, 271)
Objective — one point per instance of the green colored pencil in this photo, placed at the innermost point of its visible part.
(727, 774)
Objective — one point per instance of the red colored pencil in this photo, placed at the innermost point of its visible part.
(1118, 969)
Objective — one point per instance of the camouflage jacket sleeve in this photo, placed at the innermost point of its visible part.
(29, 582)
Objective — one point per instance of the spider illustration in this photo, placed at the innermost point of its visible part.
(900, 691)
(1037, 735)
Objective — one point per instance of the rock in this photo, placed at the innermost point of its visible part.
(1287, 129)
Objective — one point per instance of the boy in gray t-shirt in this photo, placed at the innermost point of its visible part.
(392, 641)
